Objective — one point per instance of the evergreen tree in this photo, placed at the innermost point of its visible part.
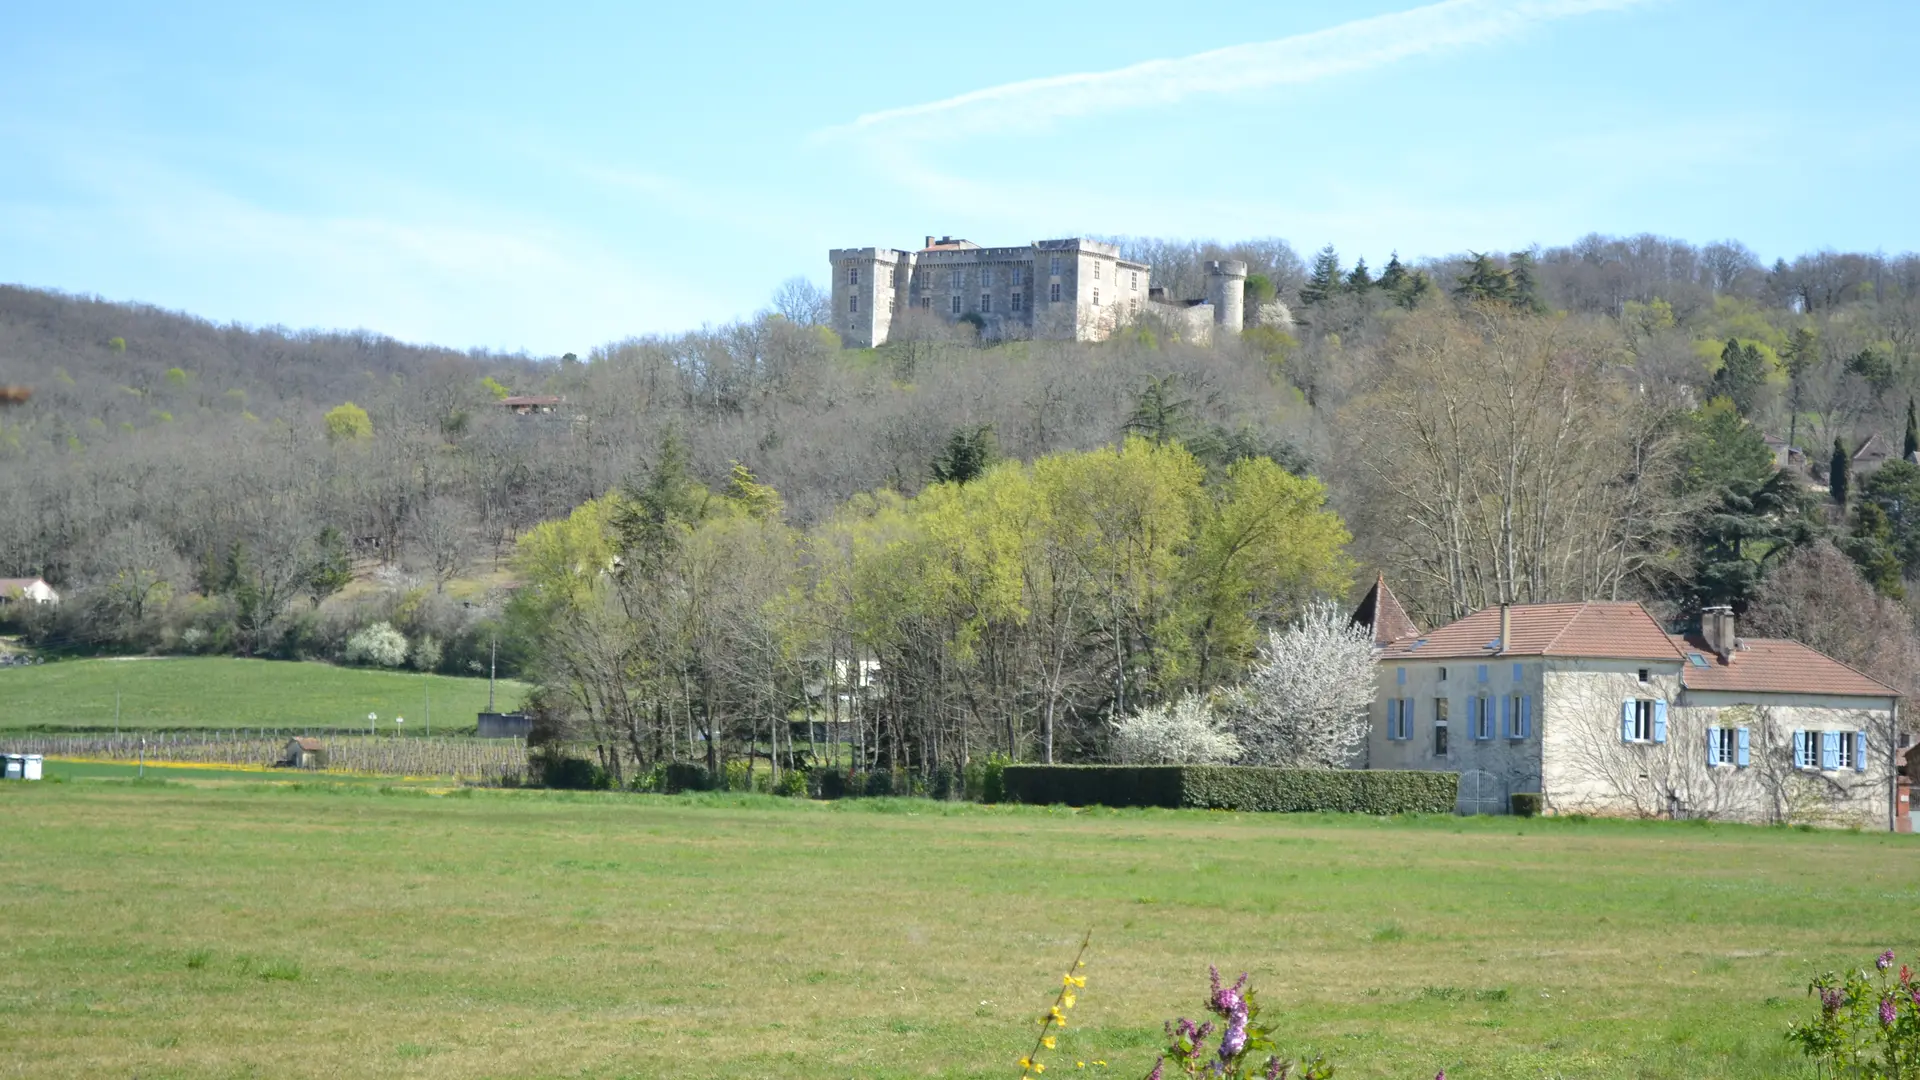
(1484, 281)
(1526, 294)
(1871, 546)
(1324, 280)
(1911, 444)
(969, 453)
(1359, 281)
(1394, 276)
(1839, 471)
(1742, 372)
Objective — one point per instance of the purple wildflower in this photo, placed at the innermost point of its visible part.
(1886, 1012)
(1275, 1067)
(1830, 999)
(1158, 1066)
(1441, 1075)
(1885, 961)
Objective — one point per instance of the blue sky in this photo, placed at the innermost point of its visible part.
(530, 178)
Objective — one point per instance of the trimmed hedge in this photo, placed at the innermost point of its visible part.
(1236, 787)
(1525, 803)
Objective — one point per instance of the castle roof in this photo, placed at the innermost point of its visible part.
(1381, 612)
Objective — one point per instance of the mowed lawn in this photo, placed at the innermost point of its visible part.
(180, 930)
(223, 692)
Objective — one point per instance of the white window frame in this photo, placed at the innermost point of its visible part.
(1643, 720)
(1809, 750)
(1843, 760)
(1726, 745)
(1483, 718)
(1440, 747)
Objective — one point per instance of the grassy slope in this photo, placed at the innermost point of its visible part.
(226, 931)
(220, 692)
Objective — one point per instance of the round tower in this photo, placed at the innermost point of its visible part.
(1227, 292)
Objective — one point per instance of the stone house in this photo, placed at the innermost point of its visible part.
(27, 591)
(1601, 711)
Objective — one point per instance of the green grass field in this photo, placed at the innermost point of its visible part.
(228, 930)
(220, 692)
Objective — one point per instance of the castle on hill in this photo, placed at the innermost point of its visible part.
(1062, 290)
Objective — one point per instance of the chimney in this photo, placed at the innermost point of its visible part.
(929, 241)
(1506, 627)
(1716, 626)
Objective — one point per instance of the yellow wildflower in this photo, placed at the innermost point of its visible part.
(1067, 999)
(1026, 1063)
(1047, 1042)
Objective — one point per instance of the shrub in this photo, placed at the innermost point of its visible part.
(793, 784)
(984, 780)
(426, 653)
(1525, 803)
(686, 776)
(945, 784)
(739, 775)
(879, 783)
(555, 769)
(828, 782)
(379, 644)
(1234, 787)
(1869, 1025)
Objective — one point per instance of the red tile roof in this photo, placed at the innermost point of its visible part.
(1381, 612)
(1774, 666)
(1597, 628)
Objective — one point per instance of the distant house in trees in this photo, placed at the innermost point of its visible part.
(304, 752)
(27, 591)
(1601, 711)
(531, 404)
(1785, 456)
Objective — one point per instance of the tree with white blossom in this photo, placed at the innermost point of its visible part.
(1184, 732)
(1305, 702)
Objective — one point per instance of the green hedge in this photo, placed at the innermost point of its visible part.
(1525, 803)
(1236, 787)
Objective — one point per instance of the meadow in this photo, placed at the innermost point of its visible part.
(219, 926)
(178, 693)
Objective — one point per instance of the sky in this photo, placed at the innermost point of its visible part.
(527, 178)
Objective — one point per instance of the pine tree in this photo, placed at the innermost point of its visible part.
(1839, 471)
(1526, 295)
(1484, 281)
(1359, 280)
(1324, 281)
(969, 453)
(1911, 445)
(1742, 372)
(1394, 276)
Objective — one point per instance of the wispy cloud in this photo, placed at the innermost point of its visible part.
(1302, 58)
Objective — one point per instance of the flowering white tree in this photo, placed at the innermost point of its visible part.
(379, 645)
(1186, 732)
(1304, 704)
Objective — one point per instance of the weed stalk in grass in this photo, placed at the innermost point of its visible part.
(1055, 1017)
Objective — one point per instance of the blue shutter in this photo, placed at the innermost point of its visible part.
(1516, 673)
(1626, 721)
(1506, 716)
(1799, 748)
(1742, 760)
(1483, 673)
(1401, 674)
(1713, 746)
(1526, 717)
(1659, 721)
(1393, 718)
(1859, 751)
(1829, 750)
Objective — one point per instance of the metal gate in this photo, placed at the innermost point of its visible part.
(1482, 793)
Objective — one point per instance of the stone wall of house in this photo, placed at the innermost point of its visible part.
(1589, 767)
(1491, 768)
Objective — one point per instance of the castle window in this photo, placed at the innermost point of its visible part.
(1096, 294)
(1135, 275)
(1133, 306)
(890, 277)
(1053, 292)
(853, 275)
(926, 303)
(986, 277)
(956, 303)
(986, 301)
(1053, 265)
(1096, 271)
(1016, 300)
(1019, 272)
(853, 304)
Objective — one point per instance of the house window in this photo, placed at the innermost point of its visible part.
(1722, 745)
(1443, 674)
(1015, 299)
(1645, 675)
(853, 275)
(1843, 757)
(1399, 718)
(1517, 716)
(1480, 711)
(956, 303)
(986, 301)
(1642, 722)
(1053, 292)
(1440, 727)
(853, 304)
(1806, 749)
(1053, 265)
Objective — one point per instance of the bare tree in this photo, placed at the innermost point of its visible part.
(800, 301)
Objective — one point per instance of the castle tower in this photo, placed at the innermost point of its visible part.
(868, 284)
(1227, 292)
